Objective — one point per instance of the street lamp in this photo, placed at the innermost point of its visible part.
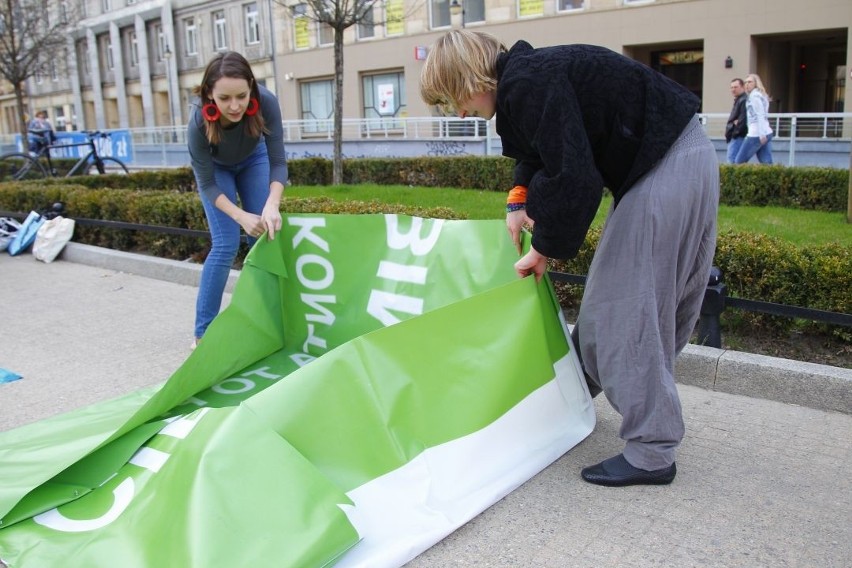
(457, 9)
(167, 56)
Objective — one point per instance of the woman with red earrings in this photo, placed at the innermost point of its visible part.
(236, 146)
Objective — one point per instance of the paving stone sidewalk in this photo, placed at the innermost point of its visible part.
(760, 482)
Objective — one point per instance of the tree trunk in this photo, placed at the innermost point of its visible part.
(22, 120)
(337, 167)
(849, 192)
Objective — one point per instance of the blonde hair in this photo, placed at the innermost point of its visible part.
(758, 84)
(460, 64)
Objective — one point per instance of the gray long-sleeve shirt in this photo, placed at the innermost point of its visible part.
(236, 145)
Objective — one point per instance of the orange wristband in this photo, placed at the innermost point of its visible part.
(517, 194)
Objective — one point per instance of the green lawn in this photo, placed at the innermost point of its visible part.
(796, 226)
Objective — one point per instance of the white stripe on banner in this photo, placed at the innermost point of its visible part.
(408, 510)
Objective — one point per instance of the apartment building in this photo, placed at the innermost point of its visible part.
(134, 63)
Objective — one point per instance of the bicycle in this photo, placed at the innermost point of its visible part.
(19, 166)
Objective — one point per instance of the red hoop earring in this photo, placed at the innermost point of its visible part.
(253, 107)
(211, 112)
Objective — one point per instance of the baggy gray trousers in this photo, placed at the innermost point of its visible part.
(644, 292)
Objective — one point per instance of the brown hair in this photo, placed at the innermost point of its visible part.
(234, 66)
(460, 64)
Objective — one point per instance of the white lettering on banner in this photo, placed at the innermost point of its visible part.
(314, 340)
(402, 272)
(261, 372)
(122, 147)
(302, 359)
(315, 273)
(240, 385)
(306, 231)
(180, 426)
(146, 458)
(325, 316)
(150, 459)
(323, 263)
(122, 496)
(382, 303)
(104, 146)
(196, 401)
(418, 246)
(236, 385)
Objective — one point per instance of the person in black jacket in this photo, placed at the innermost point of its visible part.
(578, 119)
(737, 126)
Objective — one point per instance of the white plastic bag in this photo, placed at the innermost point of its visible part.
(52, 237)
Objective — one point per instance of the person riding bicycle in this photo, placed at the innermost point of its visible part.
(41, 132)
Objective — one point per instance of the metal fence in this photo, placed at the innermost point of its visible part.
(716, 301)
(801, 138)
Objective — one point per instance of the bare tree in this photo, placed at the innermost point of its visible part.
(33, 33)
(339, 15)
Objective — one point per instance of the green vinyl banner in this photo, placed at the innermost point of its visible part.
(375, 382)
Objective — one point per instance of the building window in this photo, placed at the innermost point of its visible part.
(439, 13)
(220, 31)
(301, 34)
(384, 97)
(366, 25)
(161, 41)
(530, 8)
(394, 17)
(83, 55)
(63, 12)
(568, 5)
(110, 62)
(326, 34)
(54, 75)
(252, 24)
(59, 113)
(317, 105)
(134, 48)
(473, 11)
(190, 36)
(106, 6)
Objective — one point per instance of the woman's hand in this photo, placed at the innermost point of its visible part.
(763, 140)
(515, 223)
(252, 224)
(532, 263)
(271, 217)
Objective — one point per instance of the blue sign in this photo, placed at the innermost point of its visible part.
(118, 144)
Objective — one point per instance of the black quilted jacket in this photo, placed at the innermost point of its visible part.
(578, 118)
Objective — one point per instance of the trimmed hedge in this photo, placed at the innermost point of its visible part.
(758, 267)
(166, 209)
(754, 266)
(820, 189)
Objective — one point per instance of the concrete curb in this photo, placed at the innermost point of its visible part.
(805, 384)
(175, 271)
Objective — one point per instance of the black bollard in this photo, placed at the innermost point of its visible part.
(709, 327)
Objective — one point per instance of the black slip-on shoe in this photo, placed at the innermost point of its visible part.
(617, 472)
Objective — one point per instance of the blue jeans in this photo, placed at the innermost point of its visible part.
(250, 180)
(734, 148)
(752, 146)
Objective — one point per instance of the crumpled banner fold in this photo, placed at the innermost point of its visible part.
(375, 382)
